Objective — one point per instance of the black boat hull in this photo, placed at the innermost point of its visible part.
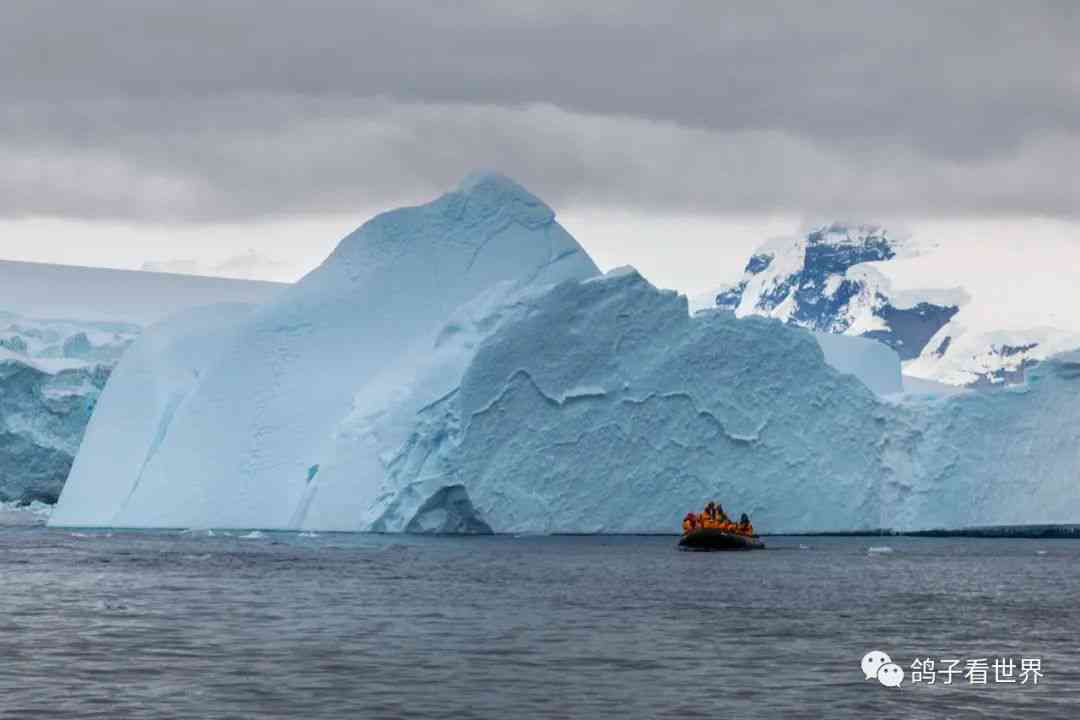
(713, 539)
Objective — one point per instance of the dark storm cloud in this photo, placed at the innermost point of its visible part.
(200, 110)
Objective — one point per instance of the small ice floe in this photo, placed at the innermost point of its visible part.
(1040, 552)
(253, 535)
(804, 547)
(879, 550)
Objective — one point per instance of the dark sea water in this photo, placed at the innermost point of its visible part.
(169, 625)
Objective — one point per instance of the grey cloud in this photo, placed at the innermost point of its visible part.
(204, 110)
(305, 158)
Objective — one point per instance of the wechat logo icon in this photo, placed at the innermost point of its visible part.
(877, 665)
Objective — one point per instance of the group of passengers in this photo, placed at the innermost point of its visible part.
(714, 517)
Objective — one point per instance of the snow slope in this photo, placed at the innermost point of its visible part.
(959, 356)
(462, 367)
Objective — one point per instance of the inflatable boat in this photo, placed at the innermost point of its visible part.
(714, 539)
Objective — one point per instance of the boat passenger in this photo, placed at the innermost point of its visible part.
(689, 522)
(745, 527)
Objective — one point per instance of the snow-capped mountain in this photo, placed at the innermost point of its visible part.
(835, 279)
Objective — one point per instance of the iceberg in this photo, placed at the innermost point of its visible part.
(62, 330)
(131, 421)
(259, 440)
(606, 408)
(462, 366)
(875, 364)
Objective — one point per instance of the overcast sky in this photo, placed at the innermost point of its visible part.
(246, 137)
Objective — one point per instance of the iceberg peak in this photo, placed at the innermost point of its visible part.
(488, 190)
(488, 180)
(465, 220)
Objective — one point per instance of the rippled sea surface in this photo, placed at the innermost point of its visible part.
(123, 624)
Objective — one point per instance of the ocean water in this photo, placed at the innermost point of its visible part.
(127, 624)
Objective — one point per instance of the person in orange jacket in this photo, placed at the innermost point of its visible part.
(745, 527)
(721, 516)
(689, 523)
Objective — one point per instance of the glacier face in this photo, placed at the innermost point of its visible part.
(462, 367)
(51, 374)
